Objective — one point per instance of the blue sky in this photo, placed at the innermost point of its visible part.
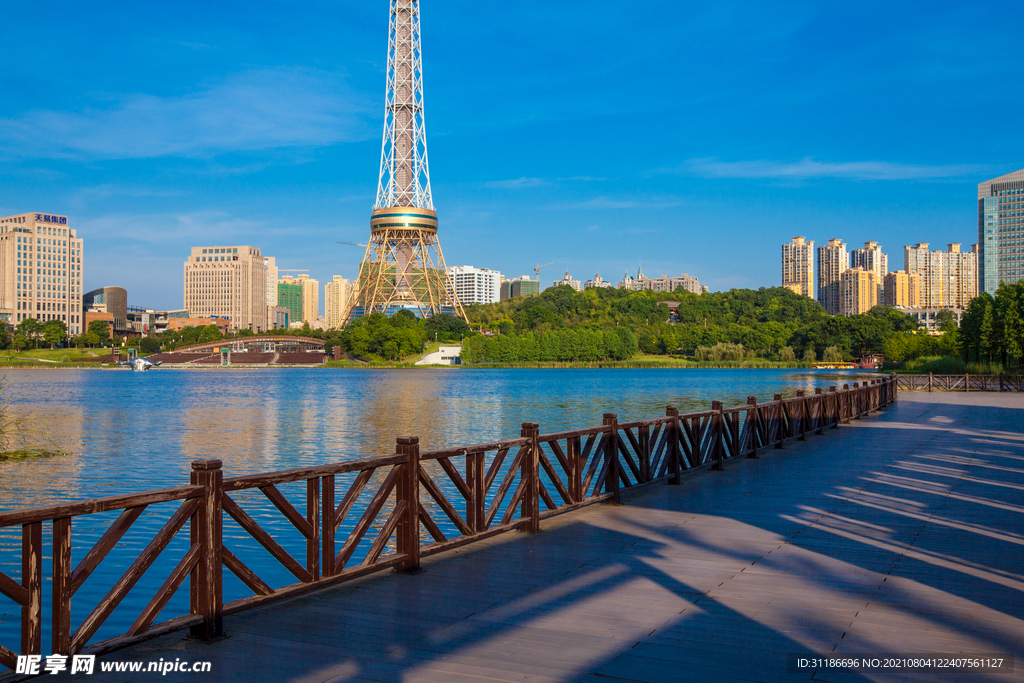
(689, 137)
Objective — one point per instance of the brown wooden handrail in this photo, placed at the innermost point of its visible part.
(965, 382)
(450, 496)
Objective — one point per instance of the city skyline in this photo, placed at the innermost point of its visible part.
(150, 132)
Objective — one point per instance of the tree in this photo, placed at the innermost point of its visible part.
(786, 355)
(100, 328)
(30, 329)
(945, 320)
(809, 355)
(832, 355)
(149, 345)
(55, 332)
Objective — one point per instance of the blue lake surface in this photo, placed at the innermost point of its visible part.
(129, 431)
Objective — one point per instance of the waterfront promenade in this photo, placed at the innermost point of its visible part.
(901, 533)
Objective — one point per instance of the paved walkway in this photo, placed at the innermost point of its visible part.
(900, 534)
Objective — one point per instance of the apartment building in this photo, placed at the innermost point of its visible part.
(798, 266)
(871, 258)
(833, 261)
(902, 289)
(598, 282)
(663, 283)
(949, 279)
(568, 281)
(475, 285)
(858, 291)
(337, 293)
(40, 270)
(227, 282)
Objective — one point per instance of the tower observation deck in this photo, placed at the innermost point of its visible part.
(404, 268)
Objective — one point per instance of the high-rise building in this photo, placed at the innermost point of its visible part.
(227, 282)
(567, 281)
(963, 275)
(336, 296)
(949, 279)
(1001, 231)
(871, 258)
(798, 266)
(523, 285)
(902, 289)
(271, 264)
(832, 262)
(40, 270)
(475, 285)
(310, 298)
(858, 291)
(289, 295)
(403, 268)
(598, 282)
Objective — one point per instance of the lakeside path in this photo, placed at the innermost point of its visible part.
(902, 533)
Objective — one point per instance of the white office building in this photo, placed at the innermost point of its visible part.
(475, 285)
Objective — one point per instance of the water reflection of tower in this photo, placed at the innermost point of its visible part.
(403, 268)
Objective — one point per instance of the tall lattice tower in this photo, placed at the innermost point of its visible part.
(403, 268)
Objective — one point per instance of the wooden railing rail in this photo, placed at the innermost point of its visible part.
(367, 515)
(966, 382)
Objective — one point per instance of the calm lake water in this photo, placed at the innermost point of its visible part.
(129, 431)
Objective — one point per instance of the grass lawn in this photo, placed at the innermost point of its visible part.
(44, 357)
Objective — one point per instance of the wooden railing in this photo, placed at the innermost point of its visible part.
(932, 382)
(367, 515)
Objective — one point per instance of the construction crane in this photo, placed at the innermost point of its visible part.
(537, 269)
(352, 244)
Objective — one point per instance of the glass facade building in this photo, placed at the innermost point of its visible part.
(1001, 230)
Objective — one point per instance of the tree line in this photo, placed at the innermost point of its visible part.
(771, 323)
(992, 328)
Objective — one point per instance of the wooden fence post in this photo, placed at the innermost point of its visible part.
(834, 423)
(1000, 381)
(32, 581)
(674, 477)
(62, 567)
(820, 398)
(803, 414)
(930, 381)
(207, 531)
(781, 418)
(327, 529)
(408, 536)
(611, 454)
(717, 426)
(313, 517)
(531, 475)
(752, 429)
(576, 494)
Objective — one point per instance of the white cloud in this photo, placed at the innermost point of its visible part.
(260, 109)
(514, 184)
(809, 168)
(519, 183)
(607, 203)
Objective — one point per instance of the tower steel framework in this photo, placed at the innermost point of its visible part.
(404, 268)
